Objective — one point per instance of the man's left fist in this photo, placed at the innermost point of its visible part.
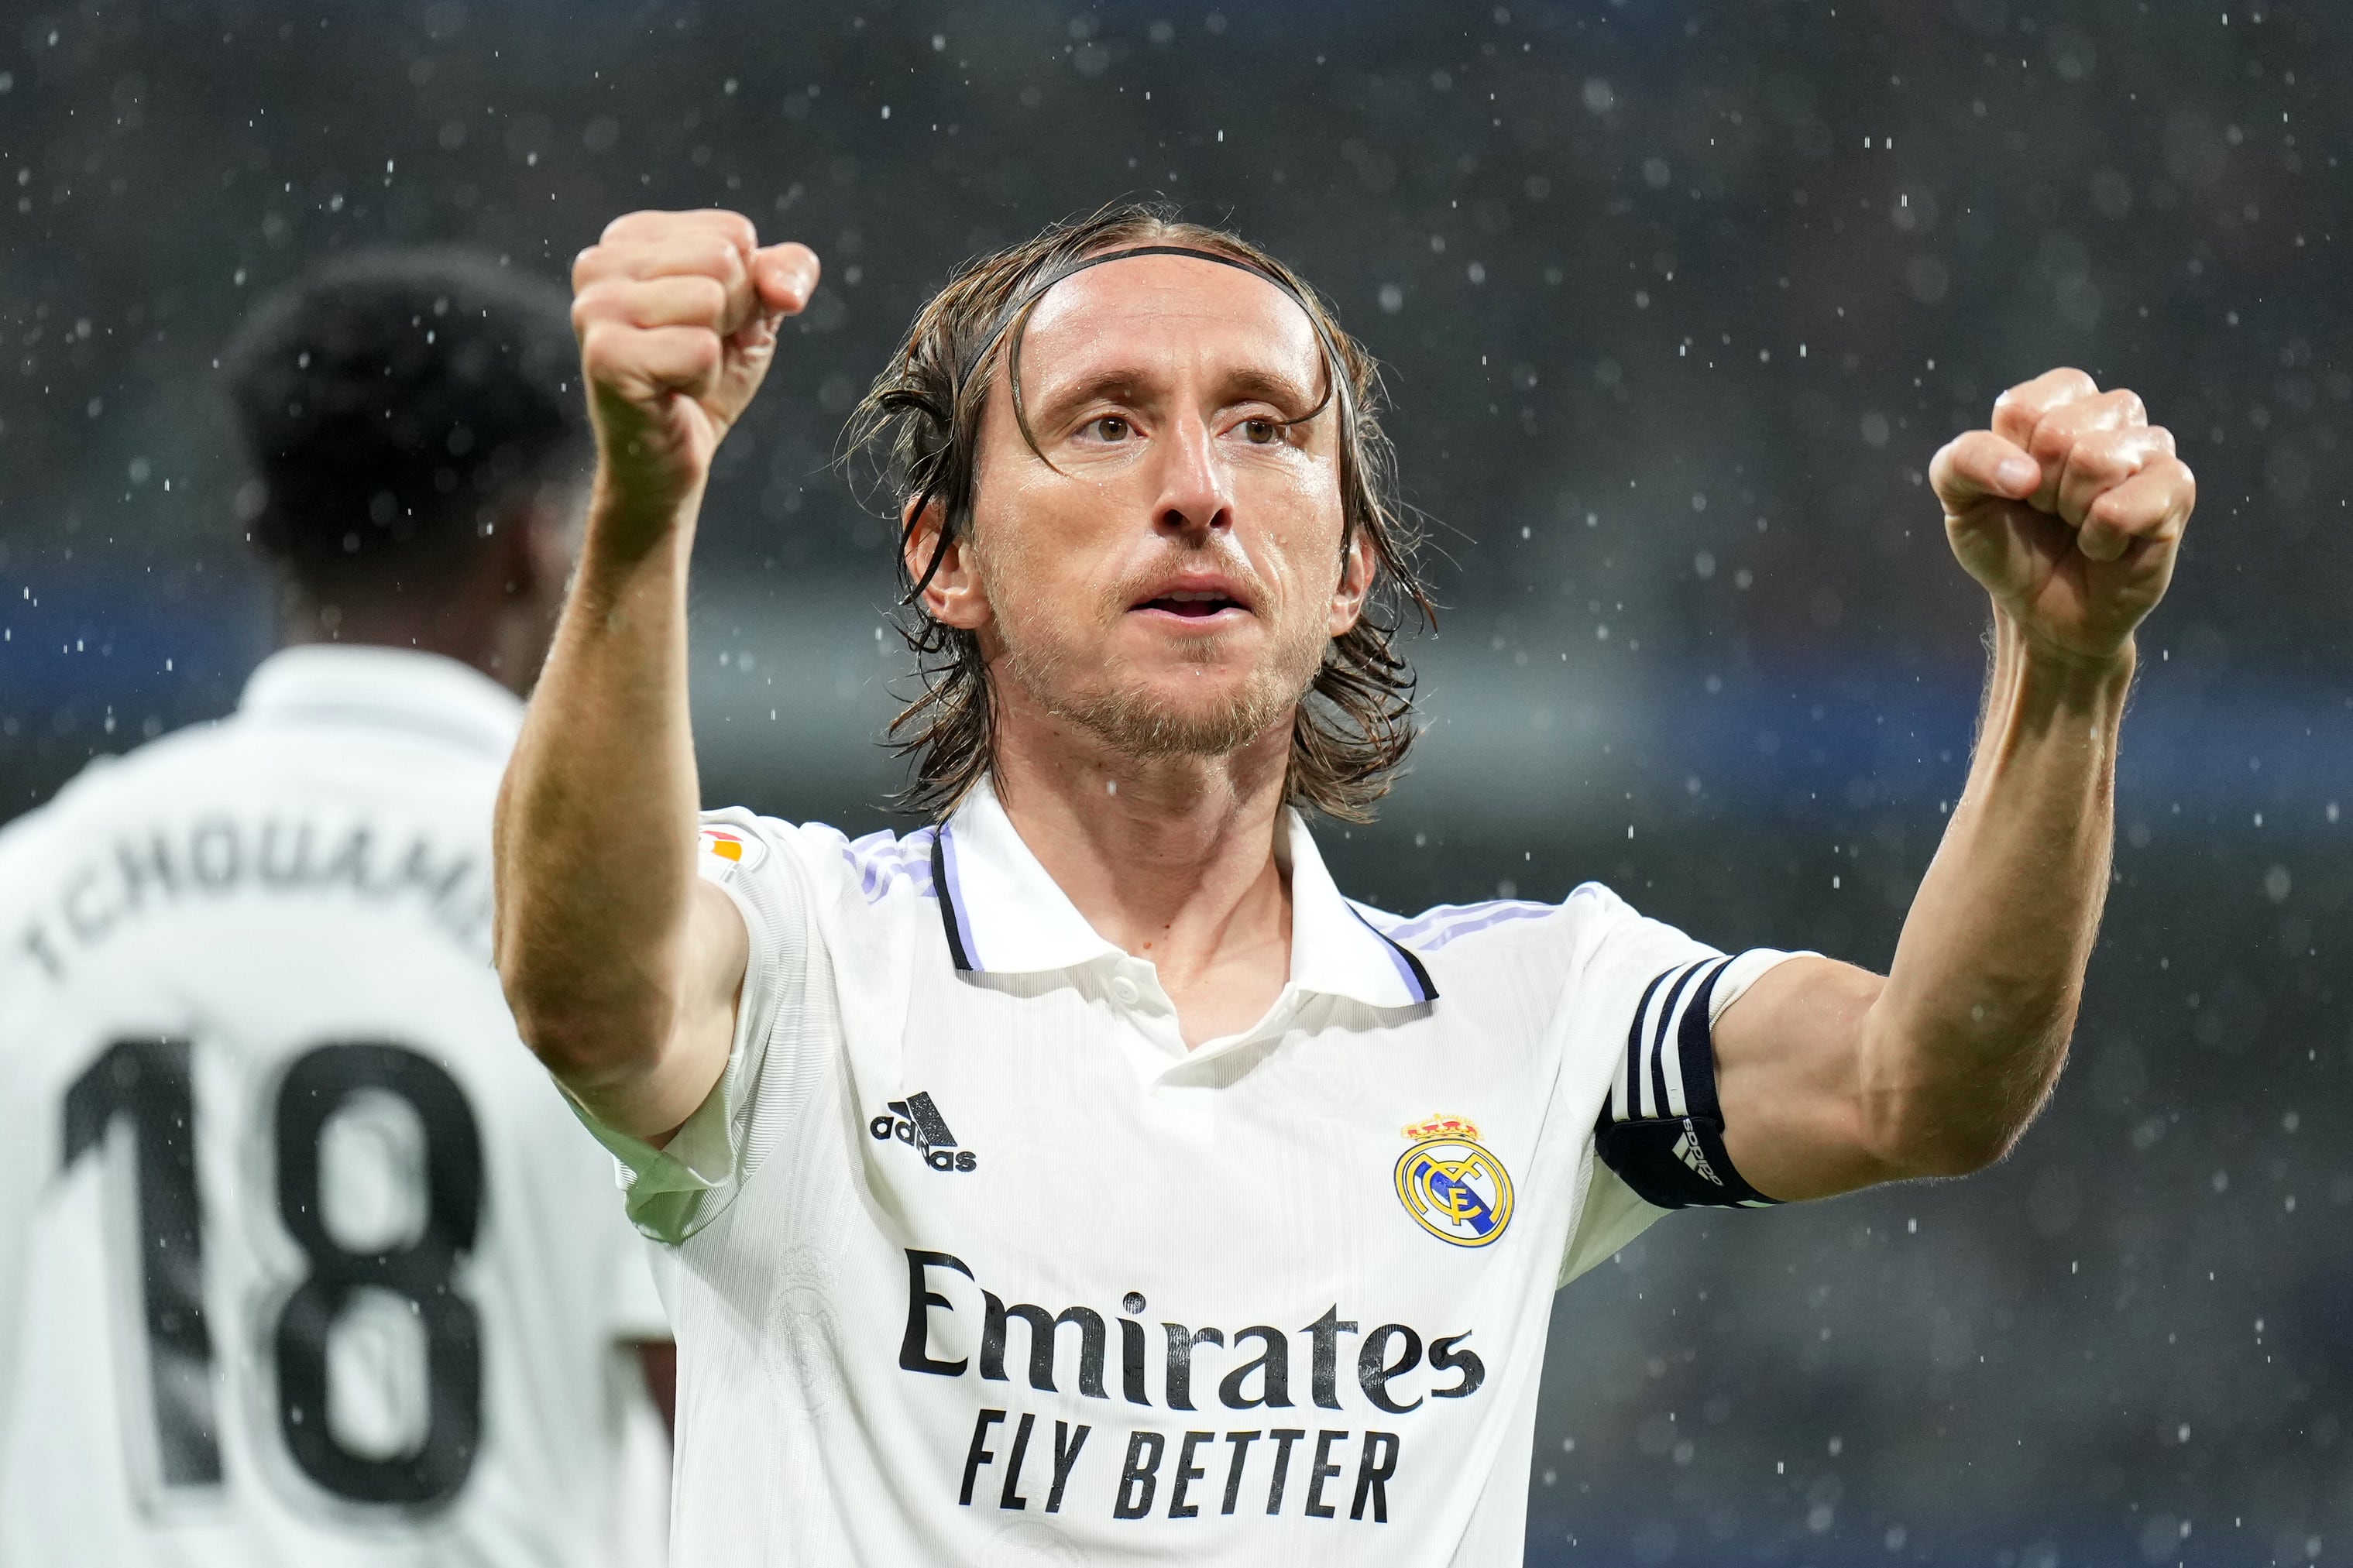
(2070, 511)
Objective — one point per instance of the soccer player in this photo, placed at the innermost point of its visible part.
(1082, 1178)
(302, 1259)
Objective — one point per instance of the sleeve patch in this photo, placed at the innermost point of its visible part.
(1663, 1129)
(722, 849)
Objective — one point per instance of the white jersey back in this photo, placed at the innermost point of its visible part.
(303, 1260)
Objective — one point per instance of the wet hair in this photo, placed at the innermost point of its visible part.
(393, 404)
(918, 431)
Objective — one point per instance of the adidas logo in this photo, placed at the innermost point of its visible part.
(916, 1121)
(1687, 1150)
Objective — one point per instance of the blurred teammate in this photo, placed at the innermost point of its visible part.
(303, 1260)
(1083, 1179)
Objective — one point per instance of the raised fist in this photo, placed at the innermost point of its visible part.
(2070, 511)
(677, 317)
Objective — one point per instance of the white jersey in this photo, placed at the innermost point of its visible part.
(303, 1260)
(976, 1263)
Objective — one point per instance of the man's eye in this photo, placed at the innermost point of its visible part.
(1110, 427)
(1261, 432)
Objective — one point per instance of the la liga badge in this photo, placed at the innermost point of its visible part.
(733, 848)
(1452, 1185)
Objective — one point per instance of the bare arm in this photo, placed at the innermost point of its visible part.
(2070, 511)
(621, 966)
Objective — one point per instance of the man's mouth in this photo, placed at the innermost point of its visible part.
(1192, 604)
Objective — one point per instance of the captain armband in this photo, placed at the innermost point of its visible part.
(1663, 1129)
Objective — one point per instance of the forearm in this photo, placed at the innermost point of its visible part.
(1963, 1042)
(2070, 511)
(622, 967)
(597, 818)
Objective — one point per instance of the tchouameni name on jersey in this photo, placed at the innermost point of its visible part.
(219, 856)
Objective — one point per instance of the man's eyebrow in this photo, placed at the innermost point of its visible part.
(1105, 385)
(1269, 387)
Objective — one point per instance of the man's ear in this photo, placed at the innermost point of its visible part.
(1359, 564)
(955, 596)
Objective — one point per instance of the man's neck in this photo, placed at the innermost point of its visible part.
(1172, 860)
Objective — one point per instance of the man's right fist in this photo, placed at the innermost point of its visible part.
(677, 317)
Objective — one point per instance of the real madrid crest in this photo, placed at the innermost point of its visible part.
(1452, 1185)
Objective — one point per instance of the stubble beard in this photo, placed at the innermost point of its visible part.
(1063, 674)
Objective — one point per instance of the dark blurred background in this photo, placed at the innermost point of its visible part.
(1676, 301)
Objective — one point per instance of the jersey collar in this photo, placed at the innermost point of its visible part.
(350, 683)
(1004, 914)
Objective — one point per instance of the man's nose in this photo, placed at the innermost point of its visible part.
(1195, 496)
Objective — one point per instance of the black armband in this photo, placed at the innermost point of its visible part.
(1663, 1129)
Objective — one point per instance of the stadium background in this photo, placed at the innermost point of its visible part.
(1676, 300)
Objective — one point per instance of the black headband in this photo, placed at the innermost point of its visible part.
(1020, 308)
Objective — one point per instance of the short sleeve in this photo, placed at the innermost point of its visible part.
(674, 1191)
(1661, 1130)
